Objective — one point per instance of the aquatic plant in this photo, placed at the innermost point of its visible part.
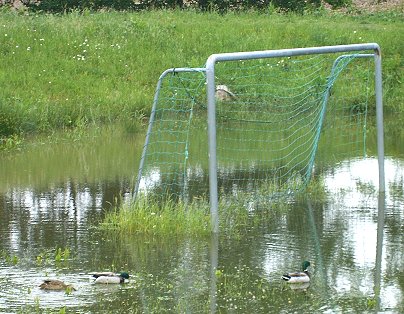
(58, 256)
(148, 216)
(10, 259)
(11, 142)
(62, 255)
(315, 191)
(37, 309)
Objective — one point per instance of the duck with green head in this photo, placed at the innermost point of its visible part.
(298, 277)
(110, 277)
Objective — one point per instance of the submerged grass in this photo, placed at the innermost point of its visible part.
(147, 215)
(9, 259)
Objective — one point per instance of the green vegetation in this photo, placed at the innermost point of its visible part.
(148, 216)
(204, 5)
(58, 257)
(62, 255)
(74, 70)
(36, 308)
(61, 258)
(9, 259)
(164, 217)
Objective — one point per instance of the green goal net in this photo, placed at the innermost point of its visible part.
(276, 121)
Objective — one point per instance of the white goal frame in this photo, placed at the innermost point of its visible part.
(368, 50)
(239, 56)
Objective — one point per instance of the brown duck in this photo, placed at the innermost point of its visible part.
(55, 285)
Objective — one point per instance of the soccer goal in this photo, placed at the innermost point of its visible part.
(251, 126)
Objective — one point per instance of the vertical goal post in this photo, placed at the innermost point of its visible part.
(368, 50)
(237, 56)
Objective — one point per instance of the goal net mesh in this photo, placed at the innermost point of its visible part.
(277, 121)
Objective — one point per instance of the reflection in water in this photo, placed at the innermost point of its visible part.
(231, 182)
(355, 182)
(322, 282)
(357, 257)
(60, 214)
(379, 248)
(214, 262)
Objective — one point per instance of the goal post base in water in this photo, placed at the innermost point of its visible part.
(252, 123)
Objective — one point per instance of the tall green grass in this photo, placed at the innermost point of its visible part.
(147, 216)
(68, 71)
(153, 215)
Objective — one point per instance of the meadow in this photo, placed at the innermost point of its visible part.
(87, 76)
(75, 70)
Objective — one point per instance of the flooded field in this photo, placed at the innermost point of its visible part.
(53, 196)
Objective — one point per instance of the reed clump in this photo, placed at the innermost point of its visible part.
(154, 216)
(149, 216)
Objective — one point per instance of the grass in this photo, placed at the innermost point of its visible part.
(61, 258)
(9, 259)
(74, 70)
(146, 216)
(151, 217)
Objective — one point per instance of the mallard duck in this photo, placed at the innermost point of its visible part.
(110, 277)
(298, 277)
(56, 285)
(299, 286)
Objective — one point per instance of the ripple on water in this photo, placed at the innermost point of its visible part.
(23, 290)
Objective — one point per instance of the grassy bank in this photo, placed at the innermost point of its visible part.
(67, 71)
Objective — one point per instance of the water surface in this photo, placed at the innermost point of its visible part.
(54, 195)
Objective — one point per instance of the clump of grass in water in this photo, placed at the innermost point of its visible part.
(12, 142)
(148, 216)
(9, 258)
(60, 257)
(315, 190)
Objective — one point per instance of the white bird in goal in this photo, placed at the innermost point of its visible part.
(223, 93)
